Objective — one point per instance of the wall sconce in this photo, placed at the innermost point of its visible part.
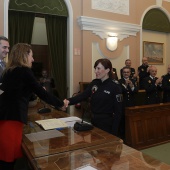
(111, 43)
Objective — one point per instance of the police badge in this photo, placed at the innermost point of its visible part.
(119, 97)
(94, 89)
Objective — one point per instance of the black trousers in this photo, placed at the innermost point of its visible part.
(103, 121)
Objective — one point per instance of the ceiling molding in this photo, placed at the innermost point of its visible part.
(104, 28)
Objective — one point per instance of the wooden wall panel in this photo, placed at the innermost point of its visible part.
(147, 125)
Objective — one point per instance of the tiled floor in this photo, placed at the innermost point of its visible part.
(161, 152)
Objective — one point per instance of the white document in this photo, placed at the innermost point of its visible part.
(70, 121)
(48, 124)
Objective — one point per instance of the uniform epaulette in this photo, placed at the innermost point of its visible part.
(115, 81)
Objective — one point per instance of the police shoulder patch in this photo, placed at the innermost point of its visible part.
(119, 97)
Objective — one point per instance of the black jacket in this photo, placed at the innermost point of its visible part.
(106, 99)
(153, 92)
(142, 71)
(128, 93)
(166, 88)
(18, 85)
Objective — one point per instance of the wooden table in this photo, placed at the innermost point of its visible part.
(70, 141)
(96, 148)
(108, 156)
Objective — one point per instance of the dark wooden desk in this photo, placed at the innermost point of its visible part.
(147, 125)
(96, 148)
(109, 156)
(70, 141)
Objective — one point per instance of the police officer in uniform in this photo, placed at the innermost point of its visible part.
(106, 98)
(166, 86)
(143, 72)
(153, 87)
(129, 87)
(132, 70)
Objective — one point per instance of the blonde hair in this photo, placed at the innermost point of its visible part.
(19, 56)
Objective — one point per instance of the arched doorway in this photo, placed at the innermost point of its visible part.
(69, 41)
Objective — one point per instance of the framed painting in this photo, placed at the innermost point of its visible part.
(154, 51)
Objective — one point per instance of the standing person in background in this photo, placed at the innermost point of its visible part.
(106, 98)
(128, 63)
(4, 50)
(152, 85)
(166, 86)
(47, 82)
(143, 72)
(18, 83)
(129, 88)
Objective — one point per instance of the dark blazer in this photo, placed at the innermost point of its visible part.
(142, 72)
(1, 70)
(18, 85)
(128, 94)
(153, 95)
(166, 88)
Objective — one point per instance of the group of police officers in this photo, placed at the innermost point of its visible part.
(157, 89)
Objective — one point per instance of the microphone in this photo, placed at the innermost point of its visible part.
(44, 109)
(81, 126)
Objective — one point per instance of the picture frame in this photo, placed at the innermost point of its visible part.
(154, 51)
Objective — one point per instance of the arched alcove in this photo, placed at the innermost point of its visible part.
(69, 41)
(155, 24)
(156, 20)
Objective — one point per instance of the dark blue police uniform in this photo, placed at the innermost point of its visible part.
(106, 104)
(166, 88)
(152, 91)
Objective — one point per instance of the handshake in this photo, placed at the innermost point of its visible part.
(66, 103)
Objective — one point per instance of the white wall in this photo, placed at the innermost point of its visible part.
(118, 62)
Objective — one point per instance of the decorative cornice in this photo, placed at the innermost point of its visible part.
(104, 28)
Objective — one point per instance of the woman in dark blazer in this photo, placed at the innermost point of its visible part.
(18, 83)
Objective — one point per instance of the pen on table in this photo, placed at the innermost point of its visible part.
(59, 128)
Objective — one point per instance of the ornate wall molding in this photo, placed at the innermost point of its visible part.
(104, 28)
(114, 6)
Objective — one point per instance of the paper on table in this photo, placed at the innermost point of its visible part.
(70, 121)
(43, 135)
(48, 124)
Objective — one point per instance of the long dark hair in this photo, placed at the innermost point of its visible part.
(107, 65)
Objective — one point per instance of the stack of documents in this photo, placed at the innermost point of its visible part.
(54, 123)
